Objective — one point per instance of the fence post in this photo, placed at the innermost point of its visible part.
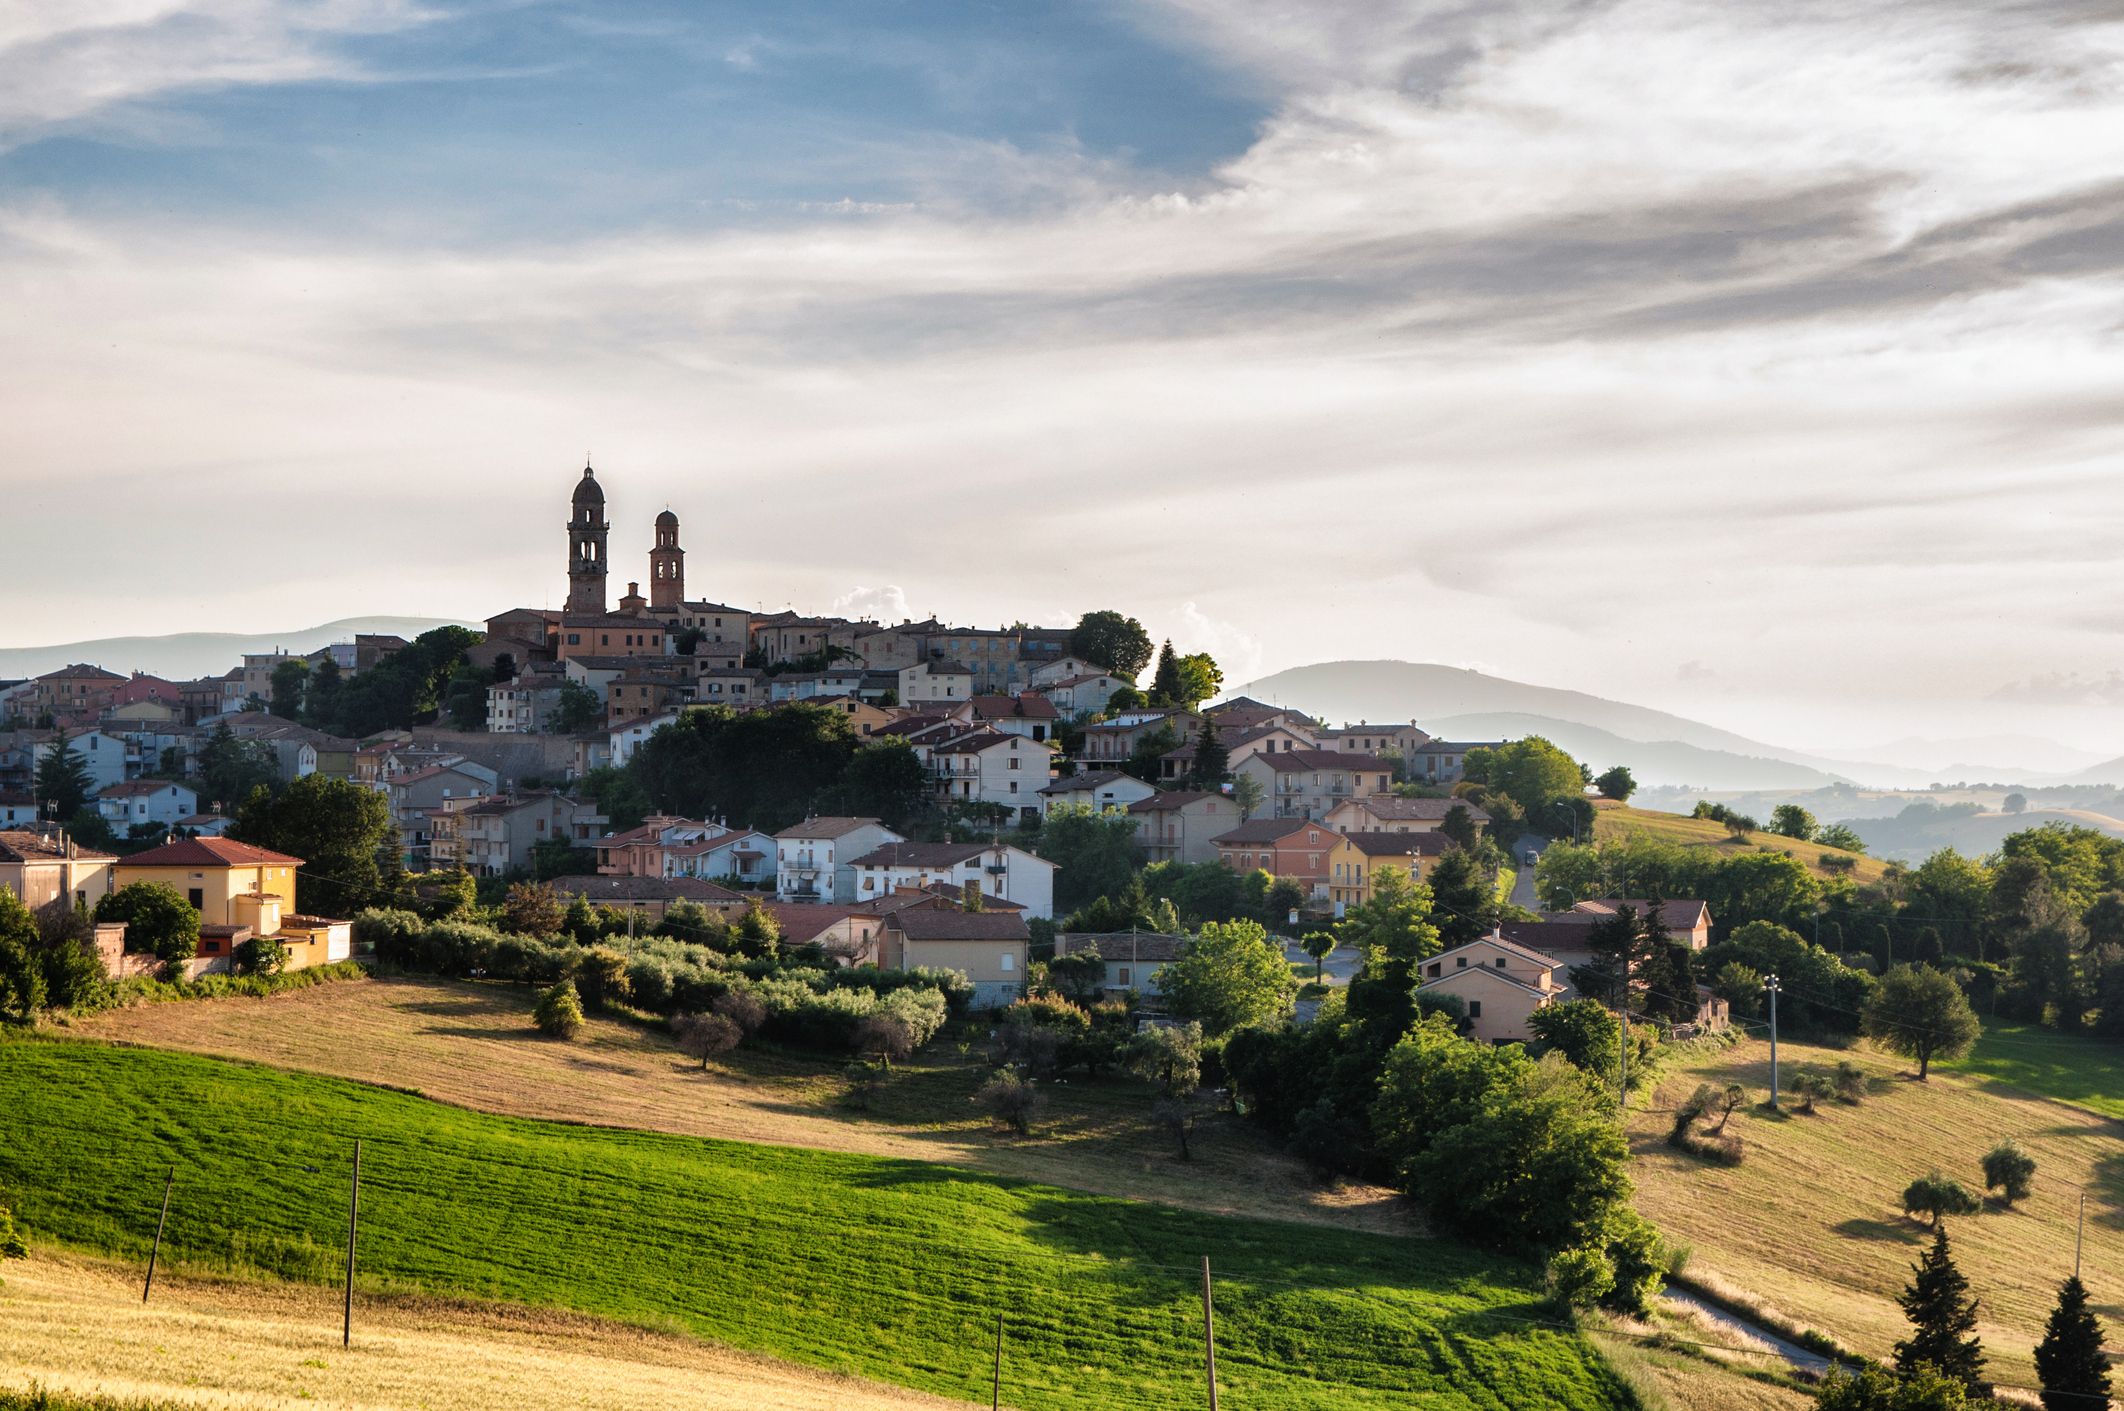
(346, 1331)
(162, 1220)
(1209, 1335)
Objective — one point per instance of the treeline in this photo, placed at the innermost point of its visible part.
(413, 686)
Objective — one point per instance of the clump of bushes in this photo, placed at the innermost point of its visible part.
(1810, 1088)
(1713, 1143)
(1012, 1100)
(560, 1012)
(1850, 1083)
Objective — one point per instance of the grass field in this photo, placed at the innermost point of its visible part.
(1810, 1225)
(1615, 822)
(2086, 1072)
(74, 1325)
(473, 1045)
(891, 1270)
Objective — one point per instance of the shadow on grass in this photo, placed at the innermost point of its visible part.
(1889, 1231)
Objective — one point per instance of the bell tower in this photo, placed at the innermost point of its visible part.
(587, 532)
(667, 565)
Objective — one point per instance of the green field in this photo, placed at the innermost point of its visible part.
(894, 1270)
(2072, 1068)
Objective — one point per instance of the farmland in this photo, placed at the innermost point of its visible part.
(885, 1269)
(472, 1045)
(1811, 1226)
(2086, 1072)
(1619, 822)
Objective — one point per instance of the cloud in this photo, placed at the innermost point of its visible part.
(886, 604)
(2064, 688)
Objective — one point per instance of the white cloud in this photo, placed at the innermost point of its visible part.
(886, 604)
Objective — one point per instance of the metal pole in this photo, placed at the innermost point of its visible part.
(1622, 1095)
(164, 1219)
(1209, 1335)
(346, 1333)
(1770, 987)
(2079, 1234)
(995, 1387)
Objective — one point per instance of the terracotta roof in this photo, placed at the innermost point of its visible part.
(1269, 830)
(134, 788)
(1565, 931)
(209, 852)
(1296, 761)
(807, 921)
(1391, 808)
(921, 855)
(1400, 844)
(923, 924)
(1509, 947)
(825, 827)
(24, 845)
(1489, 971)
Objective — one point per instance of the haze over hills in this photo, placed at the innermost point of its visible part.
(1661, 748)
(188, 655)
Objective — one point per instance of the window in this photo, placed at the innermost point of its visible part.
(1010, 963)
(1014, 783)
(1434, 970)
(1474, 1009)
(197, 898)
(1500, 962)
(1461, 963)
(1123, 973)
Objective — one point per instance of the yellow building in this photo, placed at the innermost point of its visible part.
(41, 868)
(1354, 861)
(989, 947)
(239, 891)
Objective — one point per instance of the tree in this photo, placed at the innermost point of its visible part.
(290, 680)
(63, 780)
(1146, 760)
(741, 1009)
(1934, 1196)
(336, 827)
(1740, 986)
(158, 921)
(1580, 1278)
(1921, 1014)
(2015, 803)
(560, 1012)
(1463, 898)
(1112, 640)
(1943, 1317)
(1810, 1088)
(1583, 1031)
(1012, 1101)
(1791, 821)
(601, 976)
(1459, 825)
(320, 699)
(2008, 1170)
(1616, 783)
(885, 780)
(1319, 945)
(1079, 974)
(1612, 942)
(1248, 794)
(1200, 677)
(1166, 686)
(261, 955)
(1169, 1055)
(12, 1245)
(465, 697)
(1924, 1388)
(576, 708)
(232, 769)
(1393, 933)
(1532, 772)
(2069, 1360)
(1212, 760)
(883, 1039)
(770, 768)
(1840, 836)
(533, 909)
(1230, 976)
(22, 988)
(1094, 853)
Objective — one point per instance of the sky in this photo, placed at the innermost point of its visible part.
(1759, 363)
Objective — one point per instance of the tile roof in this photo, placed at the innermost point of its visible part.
(1400, 844)
(1566, 931)
(1171, 800)
(209, 852)
(1680, 913)
(996, 707)
(830, 827)
(1508, 946)
(1269, 830)
(1086, 782)
(1391, 808)
(807, 921)
(1489, 972)
(136, 788)
(924, 924)
(921, 855)
(25, 845)
(1128, 947)
(1298, 761)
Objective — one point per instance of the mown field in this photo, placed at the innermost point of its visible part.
(1811, 1225)
(473, 1045)
(893, 1270)
(75, 1326)
(1617, 822)
(2072, 1068)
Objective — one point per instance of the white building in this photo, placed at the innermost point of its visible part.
(1096, 789)
(931, 682)
(993, 768)
(814, 861)
(628, 738)
(996, 870)
(140, 803)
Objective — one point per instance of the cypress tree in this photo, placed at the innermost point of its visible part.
(1166, 686)
(1212, 760)
(63, 778)
(2069, 1359)
(1943, 1315)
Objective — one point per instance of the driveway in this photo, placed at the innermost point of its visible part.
(1342, 963)
(1523, 888)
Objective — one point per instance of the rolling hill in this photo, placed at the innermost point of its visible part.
(187, 655)
(1615, 822)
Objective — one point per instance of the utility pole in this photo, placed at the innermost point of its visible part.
(1770, 988)
(1209, 1335)
(2079, 1234)
(995, 1387)
(346, 1333)
(1622, 1095)
(164, 1219)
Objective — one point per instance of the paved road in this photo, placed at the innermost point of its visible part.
(1342, 963)
(1812, 1363)
(1523, 889)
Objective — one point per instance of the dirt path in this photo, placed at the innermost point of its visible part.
(473, 1045)
(78, 1325)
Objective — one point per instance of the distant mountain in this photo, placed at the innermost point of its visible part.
(2107, 772)
(1651, 762)
(187, 655)
(2002, 756)
(1920, 830)
(1468, 704)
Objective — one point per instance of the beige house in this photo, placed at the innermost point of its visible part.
(492, 837)
(1097, 790)
(1685, 918)
(239, 891)
(936, 683)
(989, 947)
(1313, 783)
(1389, 813)
(1502, 984)
(1133, 958)
(1180, 824)
(41, 868)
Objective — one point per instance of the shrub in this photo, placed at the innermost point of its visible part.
(261, 955)
(1850, 1082)
(1580, 1278)
(158, 921)
(1169, 1056)
(705, 1036)
(1014, 1102)
(741, 1009)
(392, 936)
(456, 947)
(1936, 1195)
(560, 1012)
(1810, 1087)
(601, 974)
(2008, 1170)
(883, 1038)
(866, 1080)
(533, 909)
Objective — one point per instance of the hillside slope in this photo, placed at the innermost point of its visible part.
(1615, 822)
(188, 655)
(1652, 763)
(1916, 833)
